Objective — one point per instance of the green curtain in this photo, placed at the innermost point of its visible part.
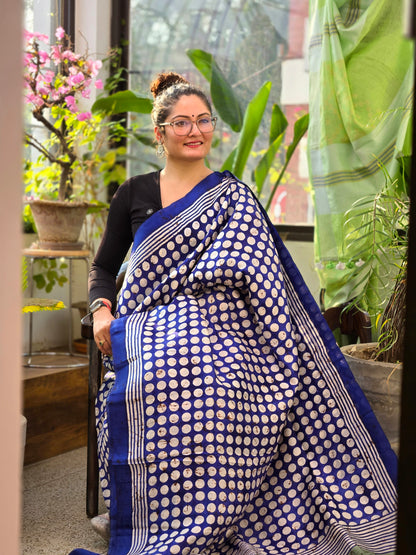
(361, 78)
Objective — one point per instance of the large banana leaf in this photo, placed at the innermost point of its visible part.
(278, 123)
(299, 129)
(123, 101)
(223, 97)
(251, 123)
(278, 126)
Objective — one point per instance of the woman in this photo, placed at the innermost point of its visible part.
(234, 425)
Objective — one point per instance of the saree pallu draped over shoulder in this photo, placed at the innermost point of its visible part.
(234, 424)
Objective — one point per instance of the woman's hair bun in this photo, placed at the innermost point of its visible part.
(165, 80)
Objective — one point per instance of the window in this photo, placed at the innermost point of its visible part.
(43, 16)
(253, 41)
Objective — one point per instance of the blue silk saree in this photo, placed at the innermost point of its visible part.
(234, 425)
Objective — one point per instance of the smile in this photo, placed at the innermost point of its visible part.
(194, 144)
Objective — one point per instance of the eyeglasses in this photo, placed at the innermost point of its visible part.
(183, 127)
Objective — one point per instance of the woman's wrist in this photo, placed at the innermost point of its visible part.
(100, 303)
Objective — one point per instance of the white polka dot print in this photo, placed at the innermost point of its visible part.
(233, 431)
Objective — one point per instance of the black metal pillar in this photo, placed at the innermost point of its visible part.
(120, 32)
(68, 18)
(406, 543)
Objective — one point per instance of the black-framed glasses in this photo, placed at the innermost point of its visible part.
(183, 127)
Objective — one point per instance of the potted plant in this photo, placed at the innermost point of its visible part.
(376, 231)
(67, 137)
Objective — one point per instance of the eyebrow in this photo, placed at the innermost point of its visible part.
(189, 117)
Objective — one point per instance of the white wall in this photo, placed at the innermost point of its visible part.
(11, 133)
(92, 27)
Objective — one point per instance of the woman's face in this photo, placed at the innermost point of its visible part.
(194, 146)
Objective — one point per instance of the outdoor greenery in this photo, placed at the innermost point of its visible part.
(246, 123)
(74, 162)
(376, 228)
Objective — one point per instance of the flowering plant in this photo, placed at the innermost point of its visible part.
(56, 82)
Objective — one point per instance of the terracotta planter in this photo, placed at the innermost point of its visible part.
(381, 384)
(58, 223)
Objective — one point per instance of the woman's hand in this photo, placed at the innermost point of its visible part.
(101, 327)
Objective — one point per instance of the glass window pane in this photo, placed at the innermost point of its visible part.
(253, 41)
(42, 16)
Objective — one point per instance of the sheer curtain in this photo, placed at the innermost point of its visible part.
(361, 79)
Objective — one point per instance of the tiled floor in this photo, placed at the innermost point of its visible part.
(53, 510)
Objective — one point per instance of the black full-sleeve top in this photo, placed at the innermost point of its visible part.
(134, 201)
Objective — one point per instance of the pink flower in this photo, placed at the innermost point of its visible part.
(34, 99)
(27, 35)
(42, 90)
(98, 84)
(41, 37)
(94, 66)
(69, 55)
(56, 54)
(48, 76)
(74, 80)
(86, 93)
(63, 90)
(43, 56)
(82, 116)
(60, 33)
(32, 68)
(71, 102)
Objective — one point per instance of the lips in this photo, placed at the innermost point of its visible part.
(194, 144)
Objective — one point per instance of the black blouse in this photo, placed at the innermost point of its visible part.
(134, 201)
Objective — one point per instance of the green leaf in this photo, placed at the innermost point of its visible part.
(252, 119)
(299, 129)
(144, 139)
(202, 61)
(278, 123)
(95, 207)
(225, 101)
(278, 126)
(229, 162)
(223, 97)
(39, 281)
(263, 167)
(123, 101)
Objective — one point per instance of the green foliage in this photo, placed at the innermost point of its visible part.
(28, 222)
(228, 107)
(225, 101)
(122, 101)
(237, 160)
(93, 160)
(247, 123)
(51, 273)
(376, 230)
